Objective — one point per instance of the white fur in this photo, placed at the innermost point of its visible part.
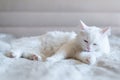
(44, 45)
(64, 45)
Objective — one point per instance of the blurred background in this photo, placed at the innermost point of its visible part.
(34, 17)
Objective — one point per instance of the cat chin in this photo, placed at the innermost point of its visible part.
(88, 51)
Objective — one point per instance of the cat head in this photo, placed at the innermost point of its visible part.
(93, 38)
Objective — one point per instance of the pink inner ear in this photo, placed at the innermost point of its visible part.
(83, 25)
(105, 30)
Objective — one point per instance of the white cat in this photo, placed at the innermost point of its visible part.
(87, 45)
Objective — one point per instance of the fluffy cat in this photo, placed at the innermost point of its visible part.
(87, 45)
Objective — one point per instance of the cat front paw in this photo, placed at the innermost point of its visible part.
(87, 58)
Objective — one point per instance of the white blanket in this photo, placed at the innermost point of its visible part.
(107, 68)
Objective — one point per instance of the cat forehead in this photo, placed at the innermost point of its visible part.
(92, 33)
(93, 29)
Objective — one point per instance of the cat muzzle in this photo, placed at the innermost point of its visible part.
(87, 50)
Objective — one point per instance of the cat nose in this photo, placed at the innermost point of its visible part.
(88, 49)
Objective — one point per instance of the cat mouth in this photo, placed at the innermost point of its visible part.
(87, 50)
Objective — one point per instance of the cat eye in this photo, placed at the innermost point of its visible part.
(86, 41)
(95, 44)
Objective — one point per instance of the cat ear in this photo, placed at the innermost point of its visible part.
(83, 26)
(106, 30)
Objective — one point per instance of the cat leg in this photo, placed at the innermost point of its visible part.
(86, 57)
(64, 52)
(16, 54)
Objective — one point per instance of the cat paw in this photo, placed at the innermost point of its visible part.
(13, 55)
(86, 60)
(9, 54)
(33, 57)
(89, 60)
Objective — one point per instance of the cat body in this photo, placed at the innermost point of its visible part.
(41, 46)
(86, 45)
